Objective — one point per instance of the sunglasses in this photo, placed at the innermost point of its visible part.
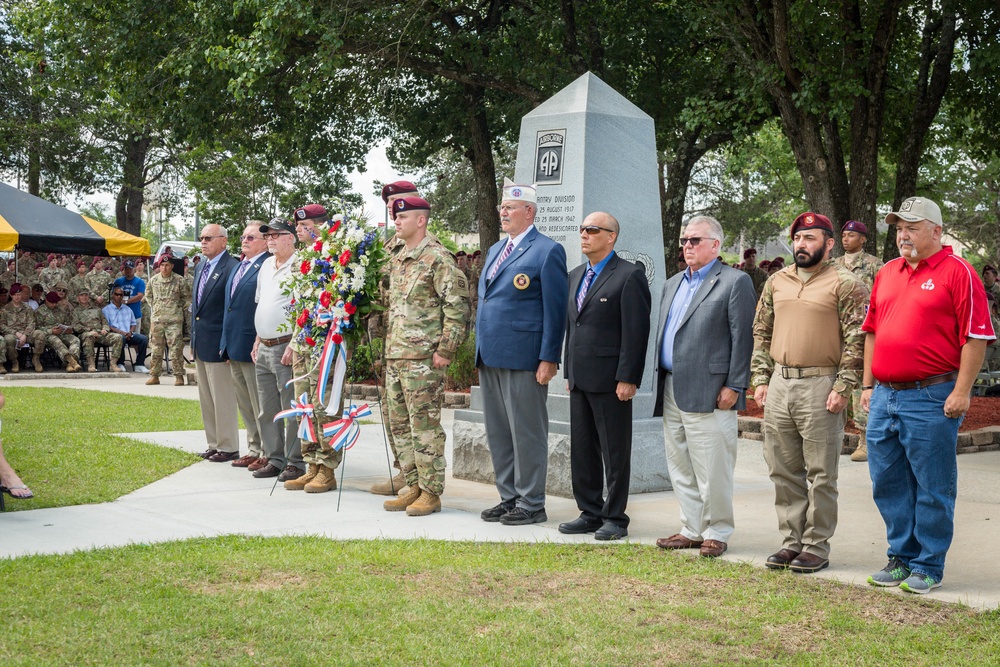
(274, 235)
(591, 230)
(209, 238)
(694, 240)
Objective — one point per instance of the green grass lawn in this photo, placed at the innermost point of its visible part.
(60, 442)
(312, 601)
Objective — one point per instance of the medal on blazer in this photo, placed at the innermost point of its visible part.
(521, 281)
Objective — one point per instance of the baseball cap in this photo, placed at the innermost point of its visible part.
(128, 264)
(278, 225)
(916, 209)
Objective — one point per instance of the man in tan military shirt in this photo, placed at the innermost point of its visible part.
(808, 357)
(427, 313)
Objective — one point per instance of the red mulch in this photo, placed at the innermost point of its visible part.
(983, 412)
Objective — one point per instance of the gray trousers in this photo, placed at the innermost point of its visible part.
(279, 440)
(245, 386)
(218, 406)
(517, 429)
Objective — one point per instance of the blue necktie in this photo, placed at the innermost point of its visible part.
(588, 279)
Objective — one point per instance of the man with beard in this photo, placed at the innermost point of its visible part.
(808, 357)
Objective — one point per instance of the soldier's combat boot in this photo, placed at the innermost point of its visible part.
(14, 366)
(91, 366)
(325, 480)
(72, 365)
(404, 500)
(389, 487)
(861, 453)
(427, 503)
(178, 380)
(3, 369)
(300, 483)
(36, 360)
(153, 379)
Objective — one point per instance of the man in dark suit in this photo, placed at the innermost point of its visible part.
(215, 382)
(239, 335)
(519, 333)
(607, 328)
(704, 343)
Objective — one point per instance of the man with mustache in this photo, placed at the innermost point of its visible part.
(925, 337)
(807, 359)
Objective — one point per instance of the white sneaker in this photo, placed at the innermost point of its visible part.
(141, 369)
(120, 368)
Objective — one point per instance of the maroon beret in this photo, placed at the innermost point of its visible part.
(52, 297)
(309, 211)
(399, 187)
(989, 268)
(764, 264)
(809, 220)
(409, 204)
(855, 226)
(748, 252)
(15, 288)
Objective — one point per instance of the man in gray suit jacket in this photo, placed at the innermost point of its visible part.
(704, 344)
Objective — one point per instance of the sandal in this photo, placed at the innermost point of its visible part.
(9, 491)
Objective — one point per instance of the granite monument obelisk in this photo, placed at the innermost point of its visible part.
(587, 149)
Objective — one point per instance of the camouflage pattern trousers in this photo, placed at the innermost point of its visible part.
(61, 345)
(315, 452)
(165, 335)
(856, 412)
(414, 392)
(112, 340)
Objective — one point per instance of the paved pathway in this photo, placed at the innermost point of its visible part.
(208, 499)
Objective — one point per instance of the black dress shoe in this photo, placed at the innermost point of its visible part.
(522, 517)
(610, 531)
(222, 457)
(494, 513)
(580, 525)
(290, 472)
(208, 453)
(270, 470)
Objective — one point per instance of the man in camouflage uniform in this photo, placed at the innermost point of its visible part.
(98, 281)
(990, 281)
(169, 295)
(53, 327)
(427, 313)
(853, 235)
(17, 325)
(808, 357)
(51, 274)
(377, 329)
(757, 274)
(92, 328)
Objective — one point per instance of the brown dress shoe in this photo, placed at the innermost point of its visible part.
(222, 457)
(270, 470)
(208, 453)
(678, 541)
(808, 563)
(244, 461)
(258, 464)
(780, 560)
(290, 472)
(713, 548)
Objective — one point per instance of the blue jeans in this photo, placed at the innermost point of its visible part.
(911, 458)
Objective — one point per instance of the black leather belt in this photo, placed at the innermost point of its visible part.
(926, 382)
(271, 342)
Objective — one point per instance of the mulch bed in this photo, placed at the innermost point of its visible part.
(984, 411)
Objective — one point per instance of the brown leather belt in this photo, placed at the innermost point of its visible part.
(271, 342)
(797, 373)
(926, 382)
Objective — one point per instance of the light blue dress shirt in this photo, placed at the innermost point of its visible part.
(678, 307)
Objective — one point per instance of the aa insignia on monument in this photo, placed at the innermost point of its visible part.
(521, 281)
(549, 157)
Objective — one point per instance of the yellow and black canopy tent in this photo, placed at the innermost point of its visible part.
(31, 223)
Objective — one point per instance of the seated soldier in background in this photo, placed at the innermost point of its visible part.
(51, 274)
(92, 328)
(98, 281)
(53, 327)
(4, 296)
(17, 325)
(37, 297)
(62, 289)
(79, 280)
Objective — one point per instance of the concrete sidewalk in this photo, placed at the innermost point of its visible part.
(209, 499)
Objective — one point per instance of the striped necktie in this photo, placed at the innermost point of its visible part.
(506, 251)
(204, 280)
(587, 280)
(239, 274)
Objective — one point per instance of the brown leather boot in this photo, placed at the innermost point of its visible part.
(389, 487)
(861, 453)
(36, 360)
(300, 483)
(153, 379)
(404, 500)
(325, 480)
(178, 380)
(427, 503)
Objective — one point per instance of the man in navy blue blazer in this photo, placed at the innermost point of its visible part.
(239, 334)
(519, 332)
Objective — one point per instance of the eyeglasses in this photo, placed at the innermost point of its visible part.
(591, 230)
(274, 235)
(118, 294)
(249, 237)
(209, 238)
(506, 208)
(694, 240)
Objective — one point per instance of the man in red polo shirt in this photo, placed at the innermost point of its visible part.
(926, 333)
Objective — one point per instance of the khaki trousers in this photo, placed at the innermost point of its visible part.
(802, 442)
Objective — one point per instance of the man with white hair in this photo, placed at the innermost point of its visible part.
(926, 333)
(520, 325)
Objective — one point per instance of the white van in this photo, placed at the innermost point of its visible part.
(178, 249)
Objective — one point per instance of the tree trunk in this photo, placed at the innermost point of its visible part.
(480, 154)
(128, 205)
(937, 49)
